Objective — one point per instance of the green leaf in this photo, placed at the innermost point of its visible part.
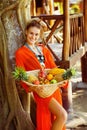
(69, 73)
(19, 73)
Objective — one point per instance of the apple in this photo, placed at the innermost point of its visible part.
(36, 82)
(53, 81)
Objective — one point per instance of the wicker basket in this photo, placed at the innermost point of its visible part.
(44, 90)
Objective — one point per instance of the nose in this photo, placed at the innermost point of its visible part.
(33, 36)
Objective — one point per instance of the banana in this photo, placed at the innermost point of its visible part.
(58, 77)
(65, 75)
(56, 71)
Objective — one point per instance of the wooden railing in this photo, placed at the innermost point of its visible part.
(76, 42)
(76, 36)
(76, 33)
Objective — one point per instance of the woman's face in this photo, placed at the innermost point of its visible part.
(32, 35)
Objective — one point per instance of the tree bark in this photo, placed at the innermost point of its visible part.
(13, 114)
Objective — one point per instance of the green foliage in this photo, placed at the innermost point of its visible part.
(20, 74)
(69, 73)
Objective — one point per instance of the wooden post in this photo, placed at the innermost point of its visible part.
(66, 92)
(85, 18)
(33, 8)
(66, 32)
(50, 8)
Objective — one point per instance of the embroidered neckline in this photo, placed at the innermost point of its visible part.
(40, 57)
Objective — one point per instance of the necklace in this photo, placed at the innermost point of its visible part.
(39, 56)
(34, 49)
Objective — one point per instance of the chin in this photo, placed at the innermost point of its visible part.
(32, 43)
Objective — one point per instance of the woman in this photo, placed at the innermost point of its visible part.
(33, 56)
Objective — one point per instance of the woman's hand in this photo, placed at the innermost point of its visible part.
(63, 84)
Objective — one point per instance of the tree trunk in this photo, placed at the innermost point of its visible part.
(13, 18)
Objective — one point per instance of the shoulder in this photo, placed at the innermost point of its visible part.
(42, 45)
(20, 50)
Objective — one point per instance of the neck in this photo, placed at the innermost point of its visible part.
(34, 48)
(31, 45)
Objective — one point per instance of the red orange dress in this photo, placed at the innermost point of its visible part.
(27, 59)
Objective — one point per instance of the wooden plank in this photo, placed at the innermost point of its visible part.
(49, 17)
(72, 59)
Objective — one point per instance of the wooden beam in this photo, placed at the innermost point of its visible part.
(33, 8)
(66, 31)
(85, 18)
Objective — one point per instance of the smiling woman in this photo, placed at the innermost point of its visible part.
(34, 56)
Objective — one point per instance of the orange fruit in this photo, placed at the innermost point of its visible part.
(49, 76)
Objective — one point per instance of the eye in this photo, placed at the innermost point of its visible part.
(31, 33)
(36, 34)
